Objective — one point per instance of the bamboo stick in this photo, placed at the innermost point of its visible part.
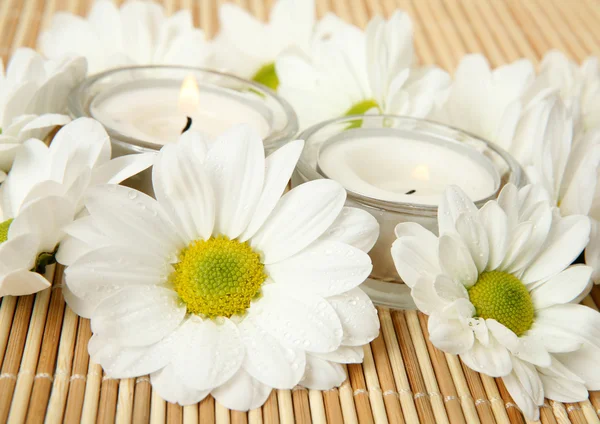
(514, 414)
(12, 358)
(301, 406)
(255, 416)
(386, 379)
(107, 407)
(174, 413)
(513, 30)
(286, 409)
(190, 414)
(77, 381)
(373, 388)
(7, 311)
(575, 413)
(141, 400)
(462, 388)
(29, 357)
(438, 360)
(27, 25)
(60, 387)
(92, 394)
(560, 413)
(529, 26)
(125, 401)
(498, 36)
(460, 22)
(317, 408)
(42, 385)
(333, 409)
(578, 24)
(270, 409)
(359, 391)
(433, 390)
(398, 367)
(158, 409)
(347, 401)
(482, 404)
(437, 31)
(422, 46)
(207, 410)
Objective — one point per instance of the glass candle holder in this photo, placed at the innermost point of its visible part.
(145, 107)
(396, 168)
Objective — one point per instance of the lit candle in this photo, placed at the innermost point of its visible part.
(404, 170)
(157, 113)
(397, 168)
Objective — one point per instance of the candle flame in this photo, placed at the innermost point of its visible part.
(421, 172)
(189, 95)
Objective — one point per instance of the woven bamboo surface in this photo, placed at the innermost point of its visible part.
(45, 372)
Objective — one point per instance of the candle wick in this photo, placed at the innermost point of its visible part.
(411, 192)
(188, 124)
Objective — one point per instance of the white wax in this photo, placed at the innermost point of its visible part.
(386, 168)
(153, 113)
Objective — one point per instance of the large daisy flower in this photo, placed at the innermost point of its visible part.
(219, 286)
(139, 33)
(248, 47)
(348, 72)
(43, 193)
(31, 86)
(499, 291)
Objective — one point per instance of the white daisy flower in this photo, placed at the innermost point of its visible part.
(579, 87)
(138, 33)
(486, 102)
(31, 86)
(500, 292)
(43, 193)
(248, 47)
(349, 72)
(219, 286)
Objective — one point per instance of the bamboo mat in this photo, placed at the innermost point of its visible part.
(45, 372)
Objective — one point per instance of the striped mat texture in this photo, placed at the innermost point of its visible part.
(45, 372)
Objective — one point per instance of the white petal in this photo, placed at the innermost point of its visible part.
(267, 360)
(517, 246)
(115, 267)
(133, 218)
(321, 374)
(415, 256)
(474, 235)
(448, 289)
(357, 315)
(126, 362)
(527, 347)
(344, 355)
(493, 359)
(562, 288)
(299, 218)
(236, 167)
(22, 282)
(119, 169)
(211, 355)
(138, 316)
(324, 268)
(567, 239)
(456, 260)
(170, 387)
(184, 190)
(583, 363)
(279, 166)
(449, 335)
(425, 296)
(454, 203)
(82, 307)
(525, 387)
(563, 389)
(300, 320)
(355, 227)
(592, 251)
(242, 392)
(495, 222)
(19, 252)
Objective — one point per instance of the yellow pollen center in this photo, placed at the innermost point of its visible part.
(218, 277)
(503, 297)
(4, 226)
(267, 76)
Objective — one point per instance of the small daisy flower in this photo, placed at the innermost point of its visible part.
(247, 47)
(43, 193)
(219, 285)
(500, 292)
(578, 86)
(348, 72)
(138, 33)
(32, 86)
(485, 102)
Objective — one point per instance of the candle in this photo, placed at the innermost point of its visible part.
(396, 168)
(405, 170)
(157, 112)
(144, 107)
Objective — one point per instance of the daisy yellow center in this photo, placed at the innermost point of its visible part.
(4, 226)
(503, 297)
(218, 277)
(267, 76)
